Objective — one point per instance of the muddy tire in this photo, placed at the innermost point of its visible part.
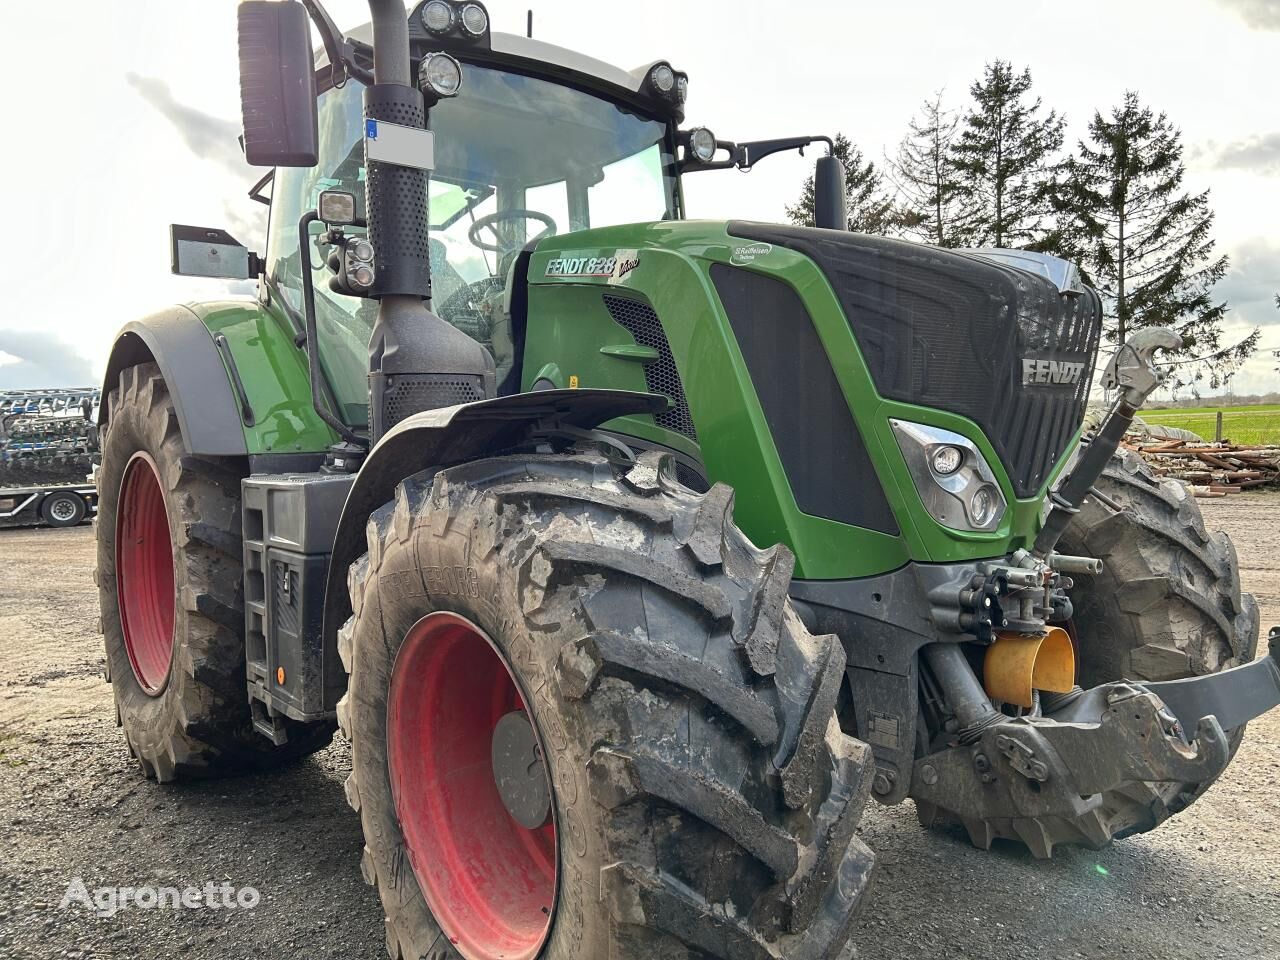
(169, 534)
(1167, 605)
(703, 798)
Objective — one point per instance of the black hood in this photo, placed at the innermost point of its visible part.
(991, 342)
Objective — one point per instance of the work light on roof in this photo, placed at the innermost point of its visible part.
(663, 79)
(437, 16)
(475, 22)
(682, 88)
(440, 75)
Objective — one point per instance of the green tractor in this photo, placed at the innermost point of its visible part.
(635, 554)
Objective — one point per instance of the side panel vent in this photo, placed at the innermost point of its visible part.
(660, 375)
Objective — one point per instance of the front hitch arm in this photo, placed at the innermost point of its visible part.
(1031, 768)
(1102, 740)
(1133, 373)
(1234, 696)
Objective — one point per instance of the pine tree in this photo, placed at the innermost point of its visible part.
(870, 209)
(1145, 242)
(926, 177)
(1006, 155)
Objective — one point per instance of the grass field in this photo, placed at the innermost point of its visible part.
(1258, 424)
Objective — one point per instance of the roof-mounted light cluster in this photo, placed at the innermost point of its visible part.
(668, 83)
(469, 21)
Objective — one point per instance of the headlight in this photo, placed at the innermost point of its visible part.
(440, 74)
(663, 79)
(437, 16)
(946, 460)
(702, 144)
(682, 88)
(361, 276)
(982, 505)
(475, 22)
(362, 250)
(955, 483)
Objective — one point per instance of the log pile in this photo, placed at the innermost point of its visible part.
(1210, 469)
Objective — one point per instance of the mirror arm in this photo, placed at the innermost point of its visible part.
(340, 50)
(744, 156)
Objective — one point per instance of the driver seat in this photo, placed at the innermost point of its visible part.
(515, 318)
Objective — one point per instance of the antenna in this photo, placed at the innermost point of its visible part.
(530, 28)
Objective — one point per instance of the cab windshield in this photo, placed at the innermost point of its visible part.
(517, 159)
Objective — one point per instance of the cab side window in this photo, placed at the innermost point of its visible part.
(344, 323)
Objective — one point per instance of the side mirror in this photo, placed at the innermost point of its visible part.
(277, 85)
(206, 252)
(829, 209)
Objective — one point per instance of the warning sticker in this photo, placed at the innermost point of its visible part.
(882, 730)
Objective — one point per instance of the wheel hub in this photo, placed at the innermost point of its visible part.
(63, 510)
(471, 791)
(519, 772)
(144, 574)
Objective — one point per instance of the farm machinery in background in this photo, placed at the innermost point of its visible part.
(48, 452)
(635, 554)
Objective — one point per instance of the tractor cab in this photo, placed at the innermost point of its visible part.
(518, 158)
(531, 141)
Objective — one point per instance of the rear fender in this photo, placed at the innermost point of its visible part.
(442, 438)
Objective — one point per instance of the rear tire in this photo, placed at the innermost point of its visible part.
(179, 674)
(704, 798)
(63, 509)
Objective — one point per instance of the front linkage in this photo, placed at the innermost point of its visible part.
(1060, 772)
(1048, 779)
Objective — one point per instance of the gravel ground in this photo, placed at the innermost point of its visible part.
(72, 805)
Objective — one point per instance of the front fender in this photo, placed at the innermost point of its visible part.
(203, 397)
(442, 438)
(238, 381)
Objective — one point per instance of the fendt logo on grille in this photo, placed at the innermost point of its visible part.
(1058, 372)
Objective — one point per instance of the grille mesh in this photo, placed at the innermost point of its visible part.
(661, 375)
(408, 395)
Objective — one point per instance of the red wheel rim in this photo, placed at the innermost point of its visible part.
(144, 574)
(490, 882)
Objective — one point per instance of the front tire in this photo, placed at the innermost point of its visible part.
(170, 586)
(1167, 605)
(703, 798)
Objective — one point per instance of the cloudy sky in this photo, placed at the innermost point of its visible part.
(134, 124)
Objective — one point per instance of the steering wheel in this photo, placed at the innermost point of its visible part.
(490, 221)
